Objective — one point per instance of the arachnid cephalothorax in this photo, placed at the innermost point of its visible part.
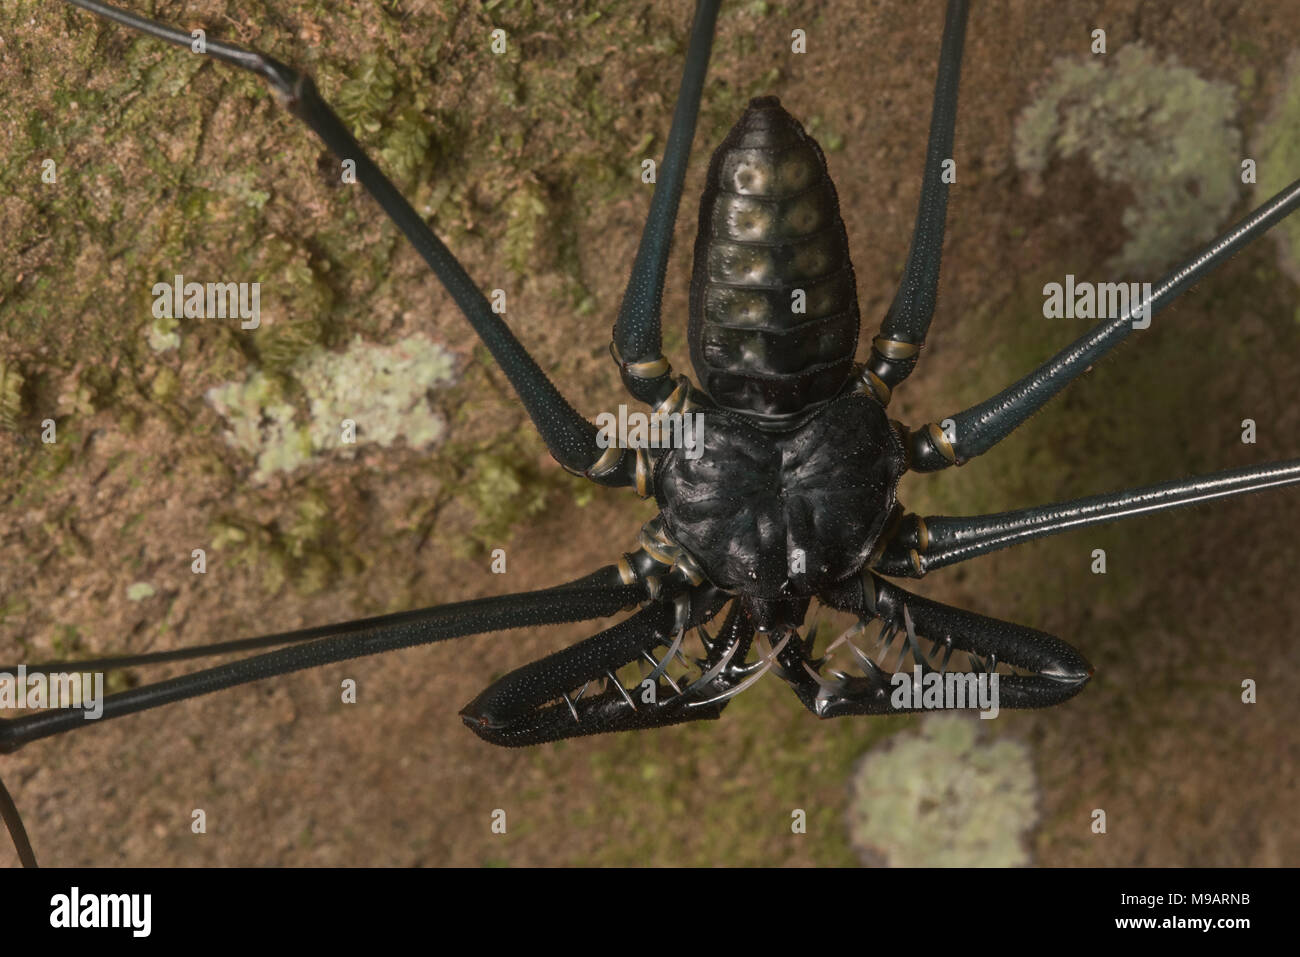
(792, 492)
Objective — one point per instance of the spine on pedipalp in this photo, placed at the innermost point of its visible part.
(774, 311)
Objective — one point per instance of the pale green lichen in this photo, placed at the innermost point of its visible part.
(139, 591)
(381, 390)
(163, 336)
(941, 797)
(261, 424)
(1278, 148)
(1156, 127)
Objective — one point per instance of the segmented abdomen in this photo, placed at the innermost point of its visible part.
(774, 309)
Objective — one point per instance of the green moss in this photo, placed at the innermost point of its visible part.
(527, 214)
(373, 103)
(1278, 146)
(505, 492)
(362, 99)
(248, 544)
(165, 384)
(306, 550)
(942, 797)
(1156, 127)
(281, 344)
(296, 300)
(309, 525)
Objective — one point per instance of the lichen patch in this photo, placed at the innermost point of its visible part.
(366, 394)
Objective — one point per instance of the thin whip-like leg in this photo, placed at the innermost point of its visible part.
(597, 579)
(217, 648)
(922, 544)
(637, 343)
(14, 824)
(570, 438)
(594, 596)
(979, 428)
(902, 334)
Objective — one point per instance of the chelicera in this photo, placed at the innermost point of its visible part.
(791, 494)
